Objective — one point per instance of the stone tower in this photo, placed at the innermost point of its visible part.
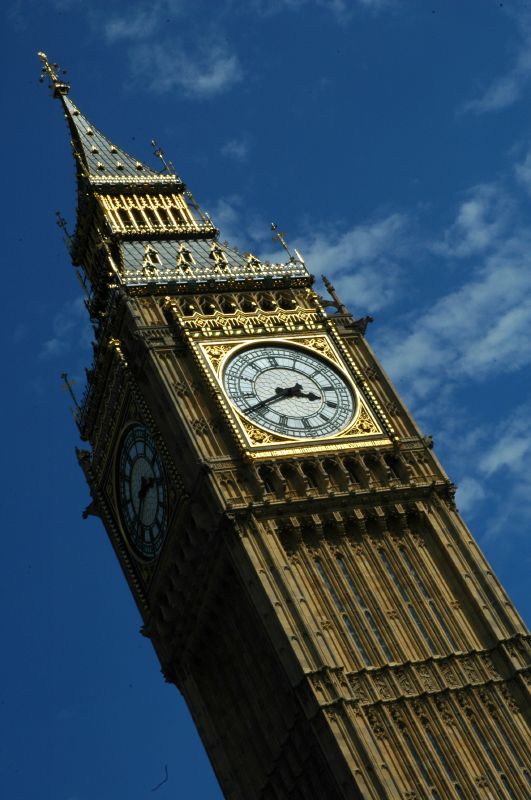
(287, 533)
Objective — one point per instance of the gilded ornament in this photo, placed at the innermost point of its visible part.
(216, 353)
(256, 435)
(363, 423)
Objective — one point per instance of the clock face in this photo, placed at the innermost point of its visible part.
(289, 391)
(143, 492)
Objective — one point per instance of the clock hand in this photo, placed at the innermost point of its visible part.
(281, 393)
(309, 396)
(139, 523)
(145, 485)
(273, 399)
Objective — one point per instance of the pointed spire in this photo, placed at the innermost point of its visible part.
(103, 161)
(99, 160)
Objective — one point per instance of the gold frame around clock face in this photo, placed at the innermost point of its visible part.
(365, 429)
(288, 390)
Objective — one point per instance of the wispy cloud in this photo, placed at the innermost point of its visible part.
(139, 23)
(507, 89)
(522, 171)
(363, 261)
(481, 218)
(70, 329)
(341, 9)
(236, 149)
(203, 72)
(498, 459)
(482, 328)
(469, 495)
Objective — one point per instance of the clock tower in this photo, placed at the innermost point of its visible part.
(286, 531)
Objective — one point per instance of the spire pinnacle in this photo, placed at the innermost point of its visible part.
(53, 71)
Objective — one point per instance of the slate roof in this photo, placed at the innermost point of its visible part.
(104, 162)
(137, 255)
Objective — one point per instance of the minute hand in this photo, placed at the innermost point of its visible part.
(283, 393)
(268, 401)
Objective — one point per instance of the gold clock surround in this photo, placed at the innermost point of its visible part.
(364, 430)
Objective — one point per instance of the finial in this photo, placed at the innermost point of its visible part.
(159, 152)
(62, 223)
(68, 385)
(341, 308)
(280, 237)
(60, 87)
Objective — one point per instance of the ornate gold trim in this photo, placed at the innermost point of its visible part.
(325, 448)
(213, 356)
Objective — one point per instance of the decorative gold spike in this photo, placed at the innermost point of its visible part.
(52, 71)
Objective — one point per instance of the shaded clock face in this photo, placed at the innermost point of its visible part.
(142, 492)
(289, 391)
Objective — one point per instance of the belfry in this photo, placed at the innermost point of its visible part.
(287, 533)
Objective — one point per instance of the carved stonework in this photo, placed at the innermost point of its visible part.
(471, 670)
(376, 724)
(509, 699)
(427, 678)
(404, 682)
(358, 689)
(181, 389)
(383, 686)
(450, 675)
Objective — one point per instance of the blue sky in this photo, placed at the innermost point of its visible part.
(392, 141)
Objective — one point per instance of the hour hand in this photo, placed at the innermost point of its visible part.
(309, 396)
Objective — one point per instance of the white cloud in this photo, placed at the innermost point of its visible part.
(469, 495)
(210, 70)
(136, 24)
(507, 89)
(511, 450)
(482, 328)
(363, 261)
(522, 171)
(481, 218)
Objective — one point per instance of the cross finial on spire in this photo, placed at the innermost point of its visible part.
(53, 71)
(280, 237)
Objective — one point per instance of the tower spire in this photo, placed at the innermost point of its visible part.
(99, 159)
